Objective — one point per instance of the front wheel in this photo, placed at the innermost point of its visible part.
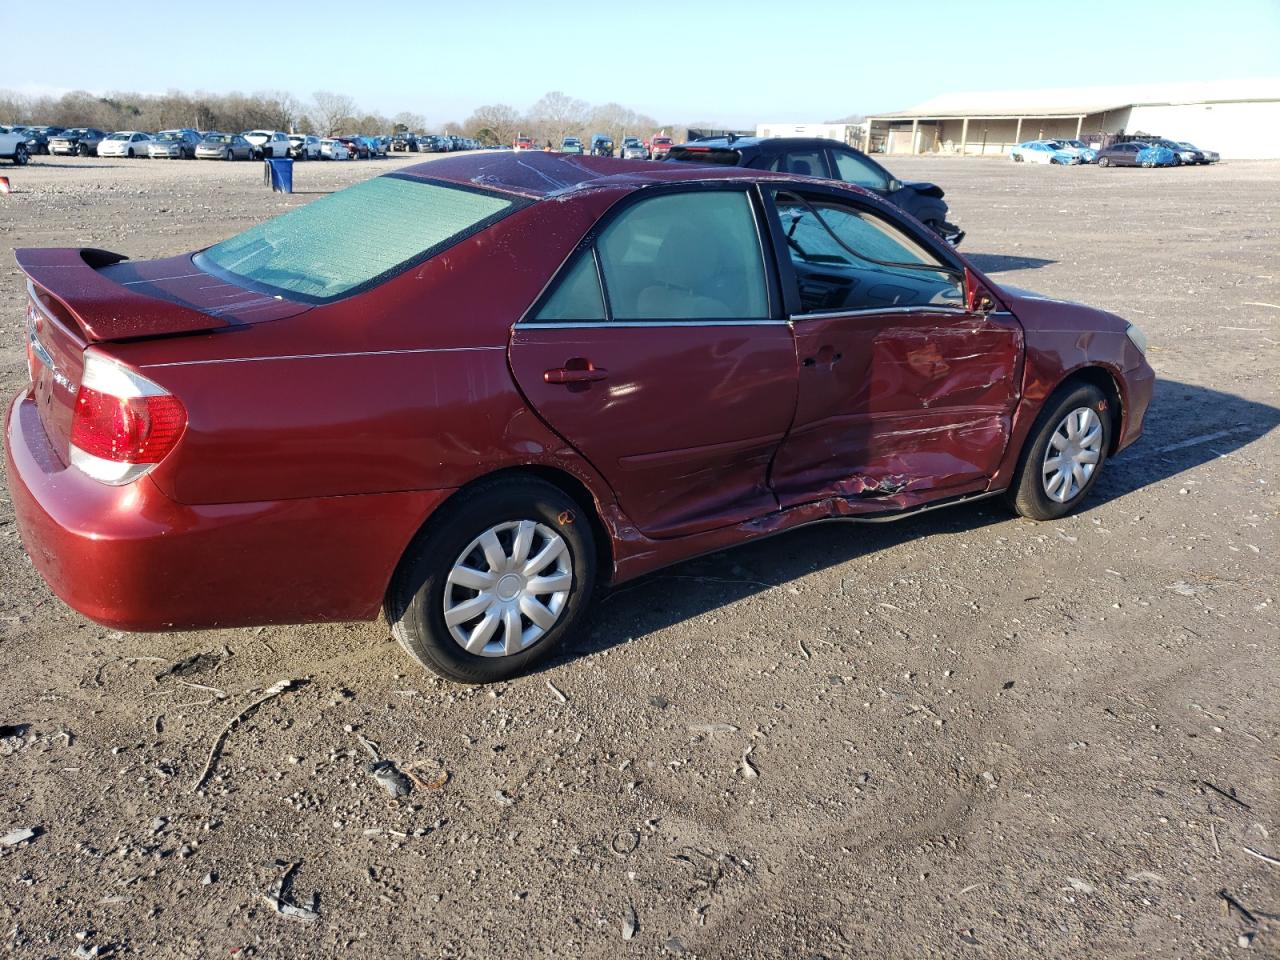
(1104, 162)
(20, 155)
(1064, 453)
(495, 581)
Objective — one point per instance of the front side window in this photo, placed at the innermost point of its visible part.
(351, 239)
(846, 258)
(852, 168)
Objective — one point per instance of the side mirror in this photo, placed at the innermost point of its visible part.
(977, 297)
(894, 185)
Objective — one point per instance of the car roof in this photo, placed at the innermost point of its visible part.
(538, 175)
(765, 144)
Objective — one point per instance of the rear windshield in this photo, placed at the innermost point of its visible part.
(350, 240)
(720, 155)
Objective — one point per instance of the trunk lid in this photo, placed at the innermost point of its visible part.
(81, 297)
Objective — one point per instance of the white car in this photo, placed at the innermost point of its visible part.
(126, 143)
(1043, 151)
(13, 146)
(334, 150)
(268, 144)
(304, 146)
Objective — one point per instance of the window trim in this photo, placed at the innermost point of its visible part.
(874, 207)
(773, 283)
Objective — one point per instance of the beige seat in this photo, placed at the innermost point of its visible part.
(684, 260)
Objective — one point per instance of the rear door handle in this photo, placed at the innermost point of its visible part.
(576, 370)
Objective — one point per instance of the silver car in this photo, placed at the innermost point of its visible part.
(224, 146)
(634, 149)
(174, 145)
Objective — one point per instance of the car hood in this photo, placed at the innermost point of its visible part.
(1041, 312)
(925, 189)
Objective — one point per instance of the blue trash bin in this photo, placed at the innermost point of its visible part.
(279, 173)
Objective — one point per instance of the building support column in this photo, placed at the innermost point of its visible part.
(866, 137)
(915, 136)
(964, 135)
(1079, 126)
(1017, 134)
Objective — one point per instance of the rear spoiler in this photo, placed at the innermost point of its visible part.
(104, 309)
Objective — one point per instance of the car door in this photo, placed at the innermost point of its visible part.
(902, 387)
(661, 354)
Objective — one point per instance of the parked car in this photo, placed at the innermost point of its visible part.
(378, 146)
(633, 149)
(13, 146)
(1184, 154)
(268, 144)
(1134, 154)
(525, 143)
(601, 145)
(1044, 151)
(1206, 156)
(829, 159)
(660, 146)
(1081, 149)
(433, 143)
(224, 146)
(76, 142)
(125, 143)
(174, 145)
(38, 137)
(358, 148)
(333, 149)
(405, 143)
(304, 146)
(572, 145)
(296, 471)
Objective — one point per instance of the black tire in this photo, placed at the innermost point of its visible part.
(1017, 158)
(415, 600)
(1104, 161)
(82, 150)
(20, 155)
(1027, 495)
(229, 155)
(131, 153)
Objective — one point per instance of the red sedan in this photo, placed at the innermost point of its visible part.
(470, 392)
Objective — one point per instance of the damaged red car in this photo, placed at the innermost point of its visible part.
(471, 392)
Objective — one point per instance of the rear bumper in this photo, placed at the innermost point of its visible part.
(132, 559)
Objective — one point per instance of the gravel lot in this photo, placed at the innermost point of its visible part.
(962, 735)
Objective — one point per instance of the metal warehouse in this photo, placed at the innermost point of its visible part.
(1240, 119)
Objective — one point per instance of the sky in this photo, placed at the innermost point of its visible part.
(734, 63)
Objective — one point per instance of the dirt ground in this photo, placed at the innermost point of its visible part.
(963, 735)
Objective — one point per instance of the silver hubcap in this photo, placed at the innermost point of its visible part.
(508, 588)
(1073, 454)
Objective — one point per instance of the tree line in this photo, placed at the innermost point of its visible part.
(552, 118)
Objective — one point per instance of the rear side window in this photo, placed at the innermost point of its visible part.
(352, 239)
(577, 297)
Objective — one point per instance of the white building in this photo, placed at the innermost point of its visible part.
(851, 133)
(1238, 118)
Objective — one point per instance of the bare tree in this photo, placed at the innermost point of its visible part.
(557, 114)
(329, 110)
(407, 122)
(494, 123)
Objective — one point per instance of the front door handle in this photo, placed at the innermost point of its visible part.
(576, 370)
(827, 358)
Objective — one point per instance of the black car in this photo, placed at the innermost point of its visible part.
(601, 145)
(831, 160)
(38, 138)
(405, 143)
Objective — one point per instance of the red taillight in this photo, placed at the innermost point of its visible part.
(123, 424)
(126, 429)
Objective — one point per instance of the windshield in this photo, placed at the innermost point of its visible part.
(119, 136)
(169, 135)
(354, 238)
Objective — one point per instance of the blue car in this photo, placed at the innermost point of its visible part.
(1134, 154)
(1081, 149)
(1043, 151)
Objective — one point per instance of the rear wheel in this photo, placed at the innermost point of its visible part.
(1104, 161)
(1064, 453)
(20, 155)
(495, 582)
